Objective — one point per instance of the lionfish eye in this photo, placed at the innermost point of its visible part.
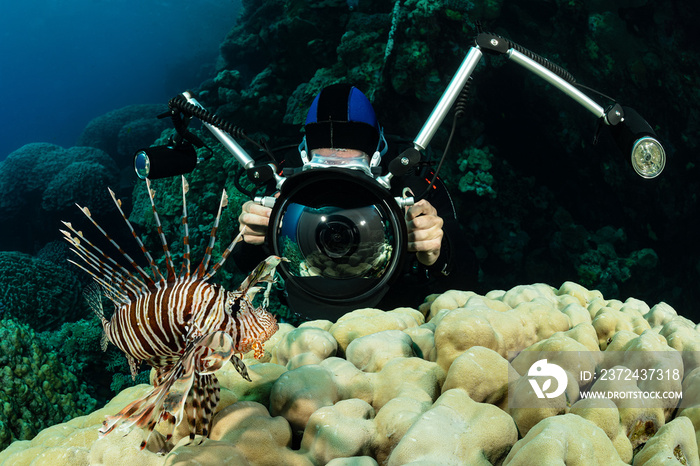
(232, 306)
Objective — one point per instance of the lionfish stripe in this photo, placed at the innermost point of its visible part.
(154, 323)
(212, 237)
(151, 262)
(186, 238)
(168, 259)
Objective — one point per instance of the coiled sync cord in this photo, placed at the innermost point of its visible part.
(460, 107)
(180, 103)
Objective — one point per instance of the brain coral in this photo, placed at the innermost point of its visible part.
(36, 390)
(37, 292)
(428, 386)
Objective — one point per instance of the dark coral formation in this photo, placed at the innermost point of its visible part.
(39, 293)
(538, 202)
(40, 183)
(123, 131)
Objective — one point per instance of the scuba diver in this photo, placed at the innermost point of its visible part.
(342, 133)
(355, 230)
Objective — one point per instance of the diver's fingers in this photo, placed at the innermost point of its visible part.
(421, 207)
(253, 239)
(254, 219)
(424, 223)
(425, 240)
(254, 214)
(426, 244)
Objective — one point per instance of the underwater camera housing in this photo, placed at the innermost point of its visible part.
(344, 236)
(342, 232)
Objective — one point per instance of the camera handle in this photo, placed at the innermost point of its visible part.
(269, 201)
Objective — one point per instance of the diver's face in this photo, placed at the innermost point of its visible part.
(340, 153)
(351, 159)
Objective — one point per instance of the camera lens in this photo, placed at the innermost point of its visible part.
(343, 236)
(337, 237)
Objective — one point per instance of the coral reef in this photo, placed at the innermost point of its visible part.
(37, 390)
(537, 201)
(121, 132)
(39, 293)
(440, 384)
(40, 183)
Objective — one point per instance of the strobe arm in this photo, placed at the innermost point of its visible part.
(631, 132)
(553, 74)
(256, 173)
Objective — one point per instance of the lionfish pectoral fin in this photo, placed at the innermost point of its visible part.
(93, 297)
(258, 350)
(264, 272)
(165, 401)
(133, 365)
(240, 367)
(217, 349)
(169, 398)
(104, 342)
(221, 350)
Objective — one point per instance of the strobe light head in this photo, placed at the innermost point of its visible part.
(165, 161)
(634, 136)
(648, 157)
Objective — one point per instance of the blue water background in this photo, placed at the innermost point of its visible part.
(63, 63)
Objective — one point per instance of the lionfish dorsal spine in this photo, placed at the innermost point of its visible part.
(113, 293)
(264, 272)
(149, 258)
(110, 274)
(202, 269)
(166, 250)
(186, 236)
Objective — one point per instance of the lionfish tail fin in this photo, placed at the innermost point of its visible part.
(188, 388)
(104, 342)
(202, 269)
(93, 297)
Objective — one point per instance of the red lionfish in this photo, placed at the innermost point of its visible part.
(181, 325)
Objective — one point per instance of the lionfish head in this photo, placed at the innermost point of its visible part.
(256, 323)
(267, 321)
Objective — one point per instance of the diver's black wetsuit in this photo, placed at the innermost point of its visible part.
(455, 268)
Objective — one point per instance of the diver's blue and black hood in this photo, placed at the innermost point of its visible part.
(341, 116)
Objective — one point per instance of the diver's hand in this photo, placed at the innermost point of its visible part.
(424, 232)
(255, 219)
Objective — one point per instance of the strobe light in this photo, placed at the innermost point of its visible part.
(635, 136)
(165, 161)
